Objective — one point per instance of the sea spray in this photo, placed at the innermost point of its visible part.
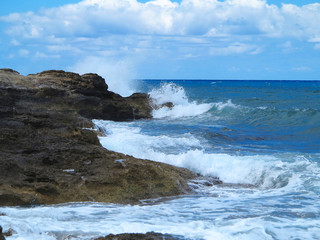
(182, 107)
(190, 133)
(185, 150)
(118, 74)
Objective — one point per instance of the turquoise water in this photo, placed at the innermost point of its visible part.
(261, 138)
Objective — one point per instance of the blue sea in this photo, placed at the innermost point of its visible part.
(261, 138)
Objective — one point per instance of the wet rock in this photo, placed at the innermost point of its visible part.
(9, 233)
(167, 104)
(156, 106)
(46, 130)
(138, 236)
(1, 234)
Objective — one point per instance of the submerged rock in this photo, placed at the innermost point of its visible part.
(139, 236)
(50, 154)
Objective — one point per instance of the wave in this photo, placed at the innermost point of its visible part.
(219, 106)
(244, 113)
(185, 150)
(182, 107)
(270, 117)
(195, 147)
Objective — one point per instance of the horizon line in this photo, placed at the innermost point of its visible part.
(181, 79)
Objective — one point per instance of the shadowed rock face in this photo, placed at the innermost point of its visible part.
(48, 154)
(87, 95)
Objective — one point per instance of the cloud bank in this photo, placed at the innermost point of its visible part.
(210, 18)
(117, 29)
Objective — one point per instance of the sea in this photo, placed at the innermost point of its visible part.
(261, 138)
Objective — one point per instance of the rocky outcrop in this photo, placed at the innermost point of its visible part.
(50, 154)
(138, 236)
(61, 91)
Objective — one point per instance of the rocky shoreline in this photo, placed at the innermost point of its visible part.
(50, 153)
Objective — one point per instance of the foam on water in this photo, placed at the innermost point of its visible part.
(125, 138)
(263, 171)
(187, 150)
(170, 92)
(279, 198)
(254, 216)
(221, 105)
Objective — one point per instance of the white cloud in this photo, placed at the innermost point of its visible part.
(235, 48)
(301, 22)
(14, 42)
(163, 17)
(63, 47)
(301, 69)
(317, 46)
(315, 39)
(41, 55)
(234, 69)
(128, 29)
(287, 44)
(24, 52)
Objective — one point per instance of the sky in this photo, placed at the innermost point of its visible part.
(163, 39)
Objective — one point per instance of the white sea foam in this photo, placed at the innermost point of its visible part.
(119, 74)
(241, 216)
(263, 171)
(222, 105)
(128, 139)
(170, 92)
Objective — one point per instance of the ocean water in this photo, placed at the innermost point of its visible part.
(261, 138)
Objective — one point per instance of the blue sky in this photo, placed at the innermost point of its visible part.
(163, 39)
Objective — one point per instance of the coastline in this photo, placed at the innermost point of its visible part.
(51, 154)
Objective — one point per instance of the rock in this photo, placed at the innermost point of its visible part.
(156, 106)
(168, 105)
(87, 95)
(1, 234)
(49, 154)
(9, 233)
(138, 236)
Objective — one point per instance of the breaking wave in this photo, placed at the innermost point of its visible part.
(263, 171)
(182, 107)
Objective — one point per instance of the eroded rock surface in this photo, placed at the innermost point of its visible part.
(49, 154)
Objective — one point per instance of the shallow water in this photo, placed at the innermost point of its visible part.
(262, 137)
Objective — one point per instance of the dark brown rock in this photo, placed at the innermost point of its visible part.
(87, 95)
(156, 106)
(49, 154)
(1, 234)
(139, 236)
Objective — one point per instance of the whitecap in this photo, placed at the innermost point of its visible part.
(182, 107)
(186, 150)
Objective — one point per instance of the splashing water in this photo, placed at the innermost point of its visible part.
(261, 141)
(170, 92)
(118, 74)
